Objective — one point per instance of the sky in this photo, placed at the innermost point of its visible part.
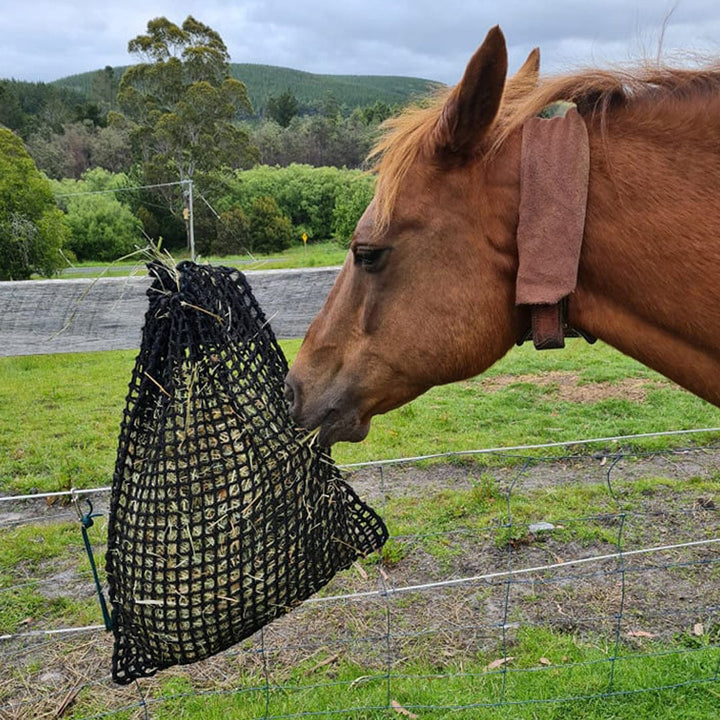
(433, 39)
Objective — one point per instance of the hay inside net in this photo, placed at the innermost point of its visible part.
(223, 515)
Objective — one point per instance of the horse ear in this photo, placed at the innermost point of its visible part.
(530, 71)
(473, 104)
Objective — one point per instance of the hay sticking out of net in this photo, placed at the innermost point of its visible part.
(223, 514)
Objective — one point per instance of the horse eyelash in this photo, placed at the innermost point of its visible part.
(367, 258)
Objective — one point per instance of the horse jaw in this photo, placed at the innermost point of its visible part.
(337, 383)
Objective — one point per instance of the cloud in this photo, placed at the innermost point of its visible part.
(47, 39)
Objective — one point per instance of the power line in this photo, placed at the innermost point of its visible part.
(124, 189)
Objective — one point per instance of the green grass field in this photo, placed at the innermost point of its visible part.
(61, 413)
(59, 421)
(317, 254)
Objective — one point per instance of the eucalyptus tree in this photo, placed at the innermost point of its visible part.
(181, 106)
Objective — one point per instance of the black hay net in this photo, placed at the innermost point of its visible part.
(223, 515)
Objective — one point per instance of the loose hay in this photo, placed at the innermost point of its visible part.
(223, 514)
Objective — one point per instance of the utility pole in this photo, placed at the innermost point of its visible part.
(188, 216)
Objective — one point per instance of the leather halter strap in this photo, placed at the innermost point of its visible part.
(554, 173)
(549, 328)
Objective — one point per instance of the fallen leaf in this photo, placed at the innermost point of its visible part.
(698, 630)
(495, 664)
(544, 661)
(398, 708)
(641, 633)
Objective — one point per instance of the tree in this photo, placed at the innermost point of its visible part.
(32, 229)
(331, 107)
(26, 107)
(282, 109)
(182, 106)
(105, 86)
(376, 113)
(315, 140)
(79, 147)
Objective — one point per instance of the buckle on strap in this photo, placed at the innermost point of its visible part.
(548, 327)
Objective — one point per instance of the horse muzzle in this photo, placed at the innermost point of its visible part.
(333, 414)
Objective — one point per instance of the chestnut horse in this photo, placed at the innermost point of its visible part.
(427, 293)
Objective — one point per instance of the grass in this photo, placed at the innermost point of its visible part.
(318, 254)
(552, 674)
(550, 677)
(61, 413)
(58, 429)
(60, 419)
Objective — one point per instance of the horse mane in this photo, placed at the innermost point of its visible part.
(596, 92)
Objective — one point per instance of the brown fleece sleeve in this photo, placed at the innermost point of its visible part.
(553, 196)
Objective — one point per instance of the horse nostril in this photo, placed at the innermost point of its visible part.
(289, 395)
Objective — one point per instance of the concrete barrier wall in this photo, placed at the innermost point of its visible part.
(62, 316)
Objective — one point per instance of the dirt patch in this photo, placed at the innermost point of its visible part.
(445, 595)
(567, 386)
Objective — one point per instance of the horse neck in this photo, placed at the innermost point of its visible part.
(649, 275)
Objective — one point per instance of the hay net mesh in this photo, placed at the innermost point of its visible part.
(223, 515)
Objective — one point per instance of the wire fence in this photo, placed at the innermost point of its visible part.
(512, 580)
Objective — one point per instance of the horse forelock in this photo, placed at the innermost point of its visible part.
(409, 136)
(405, 137)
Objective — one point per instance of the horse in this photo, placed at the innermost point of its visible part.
(427, 294)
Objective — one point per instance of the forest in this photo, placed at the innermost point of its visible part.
(272, 153)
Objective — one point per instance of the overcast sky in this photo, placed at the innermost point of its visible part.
(433, 39)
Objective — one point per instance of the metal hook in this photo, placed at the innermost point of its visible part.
(74, 496)
(85, 518)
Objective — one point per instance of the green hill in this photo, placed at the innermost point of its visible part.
(310, 89)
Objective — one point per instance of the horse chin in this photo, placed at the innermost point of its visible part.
(342, 428)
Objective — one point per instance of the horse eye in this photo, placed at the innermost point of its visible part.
(369, 259)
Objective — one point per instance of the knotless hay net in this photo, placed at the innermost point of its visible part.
(223, 515)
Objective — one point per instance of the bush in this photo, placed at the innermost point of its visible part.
(101, 228)
(268, 229)
(350, 203)
(32, 229)
(232, 233)
(308, 196)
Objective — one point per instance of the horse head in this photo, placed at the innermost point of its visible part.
(426, 294)
(429, 290)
